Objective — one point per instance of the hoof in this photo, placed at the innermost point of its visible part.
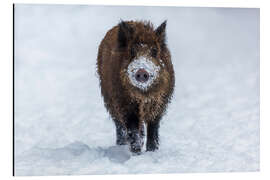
(135, 141)
(136, 149)
(151, 147)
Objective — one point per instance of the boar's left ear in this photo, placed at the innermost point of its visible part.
(161, 34)
(124, 33)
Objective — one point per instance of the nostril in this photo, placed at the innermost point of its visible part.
(145, 76)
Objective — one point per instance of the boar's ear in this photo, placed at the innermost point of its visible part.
(124, 33)
(161, 34)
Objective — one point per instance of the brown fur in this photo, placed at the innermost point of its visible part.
(120, 97)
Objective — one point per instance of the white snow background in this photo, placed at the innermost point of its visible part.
(62, 127)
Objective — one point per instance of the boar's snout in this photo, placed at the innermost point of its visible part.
(142, 75)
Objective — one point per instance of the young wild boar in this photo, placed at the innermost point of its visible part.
(137, 81)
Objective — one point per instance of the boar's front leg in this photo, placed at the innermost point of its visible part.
(121, 133)
(135, 133)
(152, 135)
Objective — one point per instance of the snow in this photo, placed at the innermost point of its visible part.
(62, 127)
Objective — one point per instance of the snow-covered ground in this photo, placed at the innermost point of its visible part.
(62, 127)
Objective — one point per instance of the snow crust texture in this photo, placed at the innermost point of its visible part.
(62, 127)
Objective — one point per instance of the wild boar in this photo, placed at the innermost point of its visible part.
(137, 81)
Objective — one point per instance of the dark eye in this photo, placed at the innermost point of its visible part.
(133, 52)
(154, 52)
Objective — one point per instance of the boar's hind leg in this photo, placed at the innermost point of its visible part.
(152, 136)
(121, 133)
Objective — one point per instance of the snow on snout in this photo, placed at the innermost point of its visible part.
(148, 66)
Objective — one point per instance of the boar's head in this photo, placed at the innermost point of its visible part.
(143, 66)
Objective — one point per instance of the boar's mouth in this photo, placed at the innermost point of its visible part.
(150, 70)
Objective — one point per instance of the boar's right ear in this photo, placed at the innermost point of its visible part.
(124, 33)
(161, 33)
